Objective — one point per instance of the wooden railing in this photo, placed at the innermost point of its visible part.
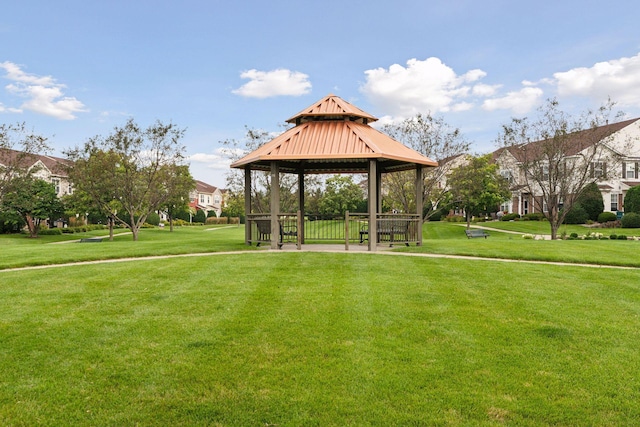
(392, 229)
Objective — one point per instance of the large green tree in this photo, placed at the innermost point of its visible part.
(34, 200)
(341, 194)
(129, 173)
(477, 186)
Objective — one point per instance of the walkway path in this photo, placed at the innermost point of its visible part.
(325, 249)
(497, 230)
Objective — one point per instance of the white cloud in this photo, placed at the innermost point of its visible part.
(43, 95)
(280, 82)
(519, 102)
(423, 86)
(618, 79)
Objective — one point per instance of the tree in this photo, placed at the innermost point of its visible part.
(341, 194)
(129, 173)
(434, 138)
(179, 185)
(17, 148)
(556, 153)
(34, 200)
(477, 186)
(632, 200)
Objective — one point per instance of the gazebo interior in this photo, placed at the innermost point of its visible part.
(333, 136)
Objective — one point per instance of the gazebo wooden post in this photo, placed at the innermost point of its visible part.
(419, 200)
(301, 204)
(275, 204)
(373, 204)
(247, 204)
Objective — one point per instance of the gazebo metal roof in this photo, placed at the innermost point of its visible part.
(333, 136)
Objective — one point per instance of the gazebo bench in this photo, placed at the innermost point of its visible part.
(397, 231)
(264, 231)
(476, 232)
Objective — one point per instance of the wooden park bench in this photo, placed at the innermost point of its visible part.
(91, 240)
(264, 231)
(476, 232)
(394, 230)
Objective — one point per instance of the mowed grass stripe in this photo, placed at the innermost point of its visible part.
(319, 339)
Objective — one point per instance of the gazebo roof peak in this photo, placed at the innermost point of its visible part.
(331, 107)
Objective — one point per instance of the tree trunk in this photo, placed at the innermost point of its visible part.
(468, 214)
(111, 224)
(31, 226)
(170, 223)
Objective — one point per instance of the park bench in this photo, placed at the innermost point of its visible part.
(391, 230)
(91, 240)
(476, 232)
(264, 231)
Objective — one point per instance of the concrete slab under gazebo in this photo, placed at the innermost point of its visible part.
(330, 136)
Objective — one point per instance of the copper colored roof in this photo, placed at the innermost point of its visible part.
(332, 137)
(332, 106)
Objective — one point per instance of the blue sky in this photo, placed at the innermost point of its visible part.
(75, 69)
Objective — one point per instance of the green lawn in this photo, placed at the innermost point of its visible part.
(291, 339)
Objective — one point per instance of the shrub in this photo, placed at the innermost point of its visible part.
(632, 200)
(455, 218)
(573, 235)
(153, 219)
(577, 215)
(510, 217)
(590, 199)
(613, 237)
(622, 237)
(200, 216)
(607, 217)
(216, 220)
(534, 216)
(50, 232)
(630, 220)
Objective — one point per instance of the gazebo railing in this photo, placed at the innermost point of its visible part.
(260, 228)
(351, 228)
(390, 228)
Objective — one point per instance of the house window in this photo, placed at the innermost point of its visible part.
(202, 198)
(598, 170)
(630, 170)
(56, 184)
(70, 189)
(506, 174)
(614, 202)
(545, 172)
(216, 200)
(208, 200)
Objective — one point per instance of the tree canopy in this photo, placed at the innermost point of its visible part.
(131, 172)
(476, 186)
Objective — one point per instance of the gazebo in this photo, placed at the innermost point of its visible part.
(331, 136)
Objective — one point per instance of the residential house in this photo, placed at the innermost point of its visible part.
(48, 168)
(207, 198)
(615, 168)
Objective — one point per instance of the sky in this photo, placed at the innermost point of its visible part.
(72, 70)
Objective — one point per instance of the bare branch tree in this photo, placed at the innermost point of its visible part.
(556, 154)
